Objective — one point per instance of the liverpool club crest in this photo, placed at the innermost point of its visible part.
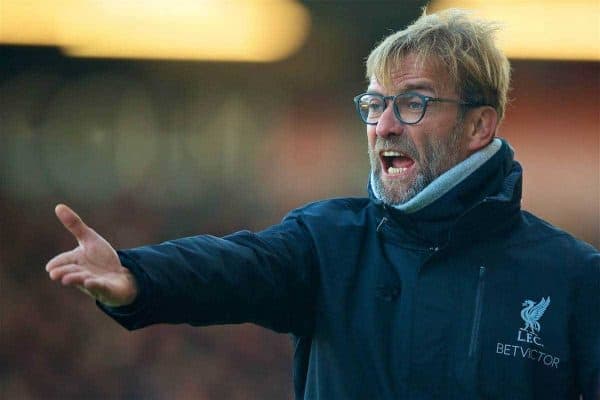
(531, 314)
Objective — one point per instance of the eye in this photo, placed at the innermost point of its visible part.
(410, 103)
(416, 105)
(371, 104)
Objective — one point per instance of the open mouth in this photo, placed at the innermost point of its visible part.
(394, 162)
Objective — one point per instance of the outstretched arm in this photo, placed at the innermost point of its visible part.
(93, 266)
(264, 278)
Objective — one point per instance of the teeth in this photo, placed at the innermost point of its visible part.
(394, 170)
(390, 153)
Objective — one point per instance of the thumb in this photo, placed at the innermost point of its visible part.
(72, 222)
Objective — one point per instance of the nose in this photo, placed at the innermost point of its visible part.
(388, 124)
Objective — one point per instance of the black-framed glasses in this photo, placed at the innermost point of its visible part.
(409, 107)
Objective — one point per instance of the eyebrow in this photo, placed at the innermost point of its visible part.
(418, 86)
(409, 88)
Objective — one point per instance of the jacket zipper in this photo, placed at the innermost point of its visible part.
(380, 225)
(478, 307)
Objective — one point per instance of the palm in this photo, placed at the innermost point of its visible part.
(93, 266)
(97, 256)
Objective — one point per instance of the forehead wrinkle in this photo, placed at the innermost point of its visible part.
(427, 73)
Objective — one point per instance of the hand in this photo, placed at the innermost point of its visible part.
(93, 266)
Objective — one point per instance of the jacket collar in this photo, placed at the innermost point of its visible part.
(483, 200)
(449, 179)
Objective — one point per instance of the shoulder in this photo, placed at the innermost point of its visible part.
(338, 211)
(537, 229)
(537, 236)
(341, 204)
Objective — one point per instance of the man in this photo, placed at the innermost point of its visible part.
(437, 286)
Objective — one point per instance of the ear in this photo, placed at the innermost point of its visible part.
(480, 124)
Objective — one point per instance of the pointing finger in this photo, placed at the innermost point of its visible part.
(74, 278)
(59, 272)
(68, 257)
(71, 221)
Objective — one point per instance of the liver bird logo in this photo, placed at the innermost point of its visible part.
(532, 312)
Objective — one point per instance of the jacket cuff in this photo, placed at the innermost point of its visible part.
(135, 315)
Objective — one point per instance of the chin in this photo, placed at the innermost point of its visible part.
(395, 193)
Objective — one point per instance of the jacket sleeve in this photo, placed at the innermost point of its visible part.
(263, 278)
(586, 330)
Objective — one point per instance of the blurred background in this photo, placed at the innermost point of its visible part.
(161, 119)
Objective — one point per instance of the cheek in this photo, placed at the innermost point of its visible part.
(371, 135)
(430, 135)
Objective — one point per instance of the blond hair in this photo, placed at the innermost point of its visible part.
(464, 46)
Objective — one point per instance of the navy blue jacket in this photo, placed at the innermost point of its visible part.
(468, 298)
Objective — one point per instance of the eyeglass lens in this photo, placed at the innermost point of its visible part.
(409, 106)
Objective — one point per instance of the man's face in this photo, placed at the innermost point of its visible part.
(406, 158)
